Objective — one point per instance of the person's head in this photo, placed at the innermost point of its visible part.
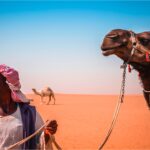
(10, 83)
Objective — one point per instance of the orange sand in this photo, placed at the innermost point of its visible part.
(84, 119)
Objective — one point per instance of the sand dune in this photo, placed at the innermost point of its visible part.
(84, 119)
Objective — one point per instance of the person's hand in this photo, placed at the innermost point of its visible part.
(52, 128)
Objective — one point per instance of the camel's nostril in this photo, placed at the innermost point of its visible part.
(134, 43)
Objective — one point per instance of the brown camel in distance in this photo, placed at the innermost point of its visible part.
(46, 92)
(133, 49)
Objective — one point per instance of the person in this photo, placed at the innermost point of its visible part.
(18, 119)
(47, 139)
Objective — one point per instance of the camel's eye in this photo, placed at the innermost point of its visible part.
(145, 42)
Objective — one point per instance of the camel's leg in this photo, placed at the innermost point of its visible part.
(41, 100)
(49, 99)
(54, 98)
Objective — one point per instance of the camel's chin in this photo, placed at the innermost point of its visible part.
(108, 52)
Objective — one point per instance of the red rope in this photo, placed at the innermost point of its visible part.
(129, 68)
(147, 57)
(46, 131)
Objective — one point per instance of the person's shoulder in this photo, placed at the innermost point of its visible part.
(38, 115)
(27, 106)
(39, 120)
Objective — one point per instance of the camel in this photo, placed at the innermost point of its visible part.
(47, 91)
(134, 49)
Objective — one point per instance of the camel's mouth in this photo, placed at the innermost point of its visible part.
(109, 50)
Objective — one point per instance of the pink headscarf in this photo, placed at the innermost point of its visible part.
(12, 79)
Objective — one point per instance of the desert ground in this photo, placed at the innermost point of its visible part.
(84, 120)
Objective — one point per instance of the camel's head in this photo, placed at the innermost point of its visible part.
(114, 41)
(144, 39)
(120, 42)
(33, 89)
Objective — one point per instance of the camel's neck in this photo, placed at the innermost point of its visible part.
(144, 73)
(145, 78)
(146, 82)
(36, 92)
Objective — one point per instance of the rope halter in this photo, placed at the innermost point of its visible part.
(134, 43)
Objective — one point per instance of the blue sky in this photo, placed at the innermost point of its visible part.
(57, 44)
